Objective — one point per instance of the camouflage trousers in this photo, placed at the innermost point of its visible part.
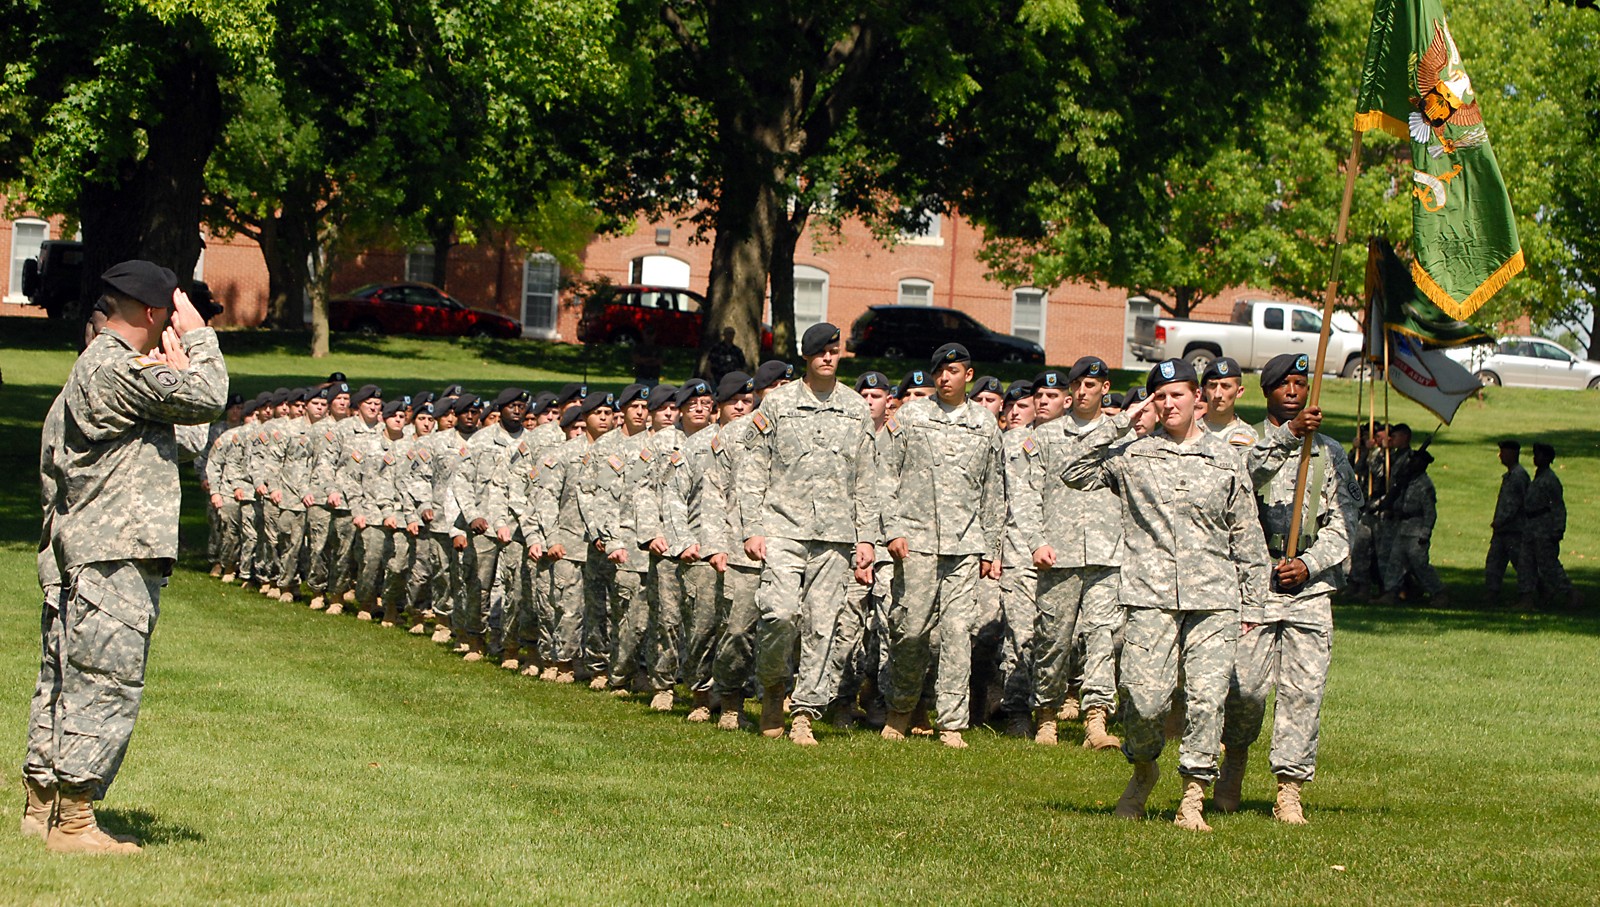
(870, 660)
(1066, 595)
(385, 567)
(1366, 568)
(95, 642)
(435, 575)
(665, 621)
(486, 560)
(531, 624)
(702, 618)
(597, 592)
(319, 525)
(333, 572)
(930, 625)
(291, 531)
(1291, 656)
(1019, 586)
(228, 535)
(1507, 548)
(802, 597)
(1542, 555)
(1156, 643)
(736, 636)
(264, 568)
(213, 533)
(1100, 625)
(628, 620)
(1407, 553)
(249, 537)
(565, 594)
(988, 641)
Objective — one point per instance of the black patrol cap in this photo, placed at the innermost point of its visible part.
(394, 406)
(1219, 368)
(1280, 367)
(914, 378)
(694, 387)
(817, 338)
(631, 393)
(661, 395)
(145, 281)
(1169, 371)
(1088, 367)
(872, 381)
(465, 402)
(944, 355)
(509, 396)
(733, 384)
(367, 391)
(1050, 377)
(771, 372)
(542, 401)
(1018, 390)
(571, 392)
(337, 377)
(594, 401)
(988, 384)
(1135, 394)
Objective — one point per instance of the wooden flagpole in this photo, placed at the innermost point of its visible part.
(1351, 168)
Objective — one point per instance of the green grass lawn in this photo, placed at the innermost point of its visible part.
(288, 757)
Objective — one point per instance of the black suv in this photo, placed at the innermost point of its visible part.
(914, 332)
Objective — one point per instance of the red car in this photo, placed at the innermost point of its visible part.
(414, 308)
(629, 314)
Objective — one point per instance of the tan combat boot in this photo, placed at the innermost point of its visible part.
(661, 701)
(288, 595)
(920, 725)
(1045, 721)
(318, 603)
(417, 629)
(75, 830)
(896, 726)
(952, 739)
(1131, 804)
(511, 658)
(36, 809)
(800, 731)
(533, 669)
(1288, 810)
(732, 712)
(216, 570)
(565, 673)
(1191, 809)
(474, 648)
(702, 707)
(1230, 781)
(1070, 710)
(1095, 736)
(348, 598)
(335, 609)
(772, 713)
(598, 682)
(441, 634)
(228, 576)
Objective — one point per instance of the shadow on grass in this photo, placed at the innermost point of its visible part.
(147, 827)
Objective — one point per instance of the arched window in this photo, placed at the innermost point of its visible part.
(915, 292)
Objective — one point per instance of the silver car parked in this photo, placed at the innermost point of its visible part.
(1528, 362)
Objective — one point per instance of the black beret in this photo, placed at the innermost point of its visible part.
(1050, 377)
(145, 281)
(987, 384)
(249, 408)
(1507, 444)
(1112, 400)
(283, 392)
(570, 416)
(337, 377)
(571, 392)
(914, 378)
(631, 393)
(873, 380)
(1134, 395)
(1090, 367)
(279, 397)
(1281, 366)
(542, 401)
(335, 390)
(509, 396)
(424, 409)
(454, 390)
(894, 390)
(394, 406)
(465, 402)
(421, 397)
(366, 391)
(733, 384)
(1018, 390)
(594, 401)
(1543, 450)
(950, 352)
(1169, 371)
(691, 389)
(1221, 367)
(661, 395)
(235, 400)
(299, 395)
(816, 339)
(771, 372)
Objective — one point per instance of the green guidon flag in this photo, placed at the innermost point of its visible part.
(1414, 86)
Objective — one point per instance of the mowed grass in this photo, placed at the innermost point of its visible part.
(286, 757)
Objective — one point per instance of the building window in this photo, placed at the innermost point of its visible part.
(1027, 314)
(915, 292)
(659, 271)
(27, 236)
(541, 280)
(926, 231)
(200, 261)
(419, 264)
(810, 297)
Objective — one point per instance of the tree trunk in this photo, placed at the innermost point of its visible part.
(283, 305)
(152, 210)
(1184, 299)
(319, 276)
(785, 335)
(442, 235)
(748, 215)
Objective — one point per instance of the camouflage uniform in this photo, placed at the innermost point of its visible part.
(1192, 549)
(528, 621)
(1019, 581)
(1409, 533)
(437, 576)
(321, 544)
(213, 516)
(738, 615)
(807, 483)
(488, 455)
(664, 588)
(692, 518)
(946, 497)
(225, 475)
(294, 480)
(379, 495)
(617, 475)
(340, 559)
(253, 535)
(871, 602)
(1507, 541)
(114, 544)
(1289, 651)
(555, 478)
(1546, 514)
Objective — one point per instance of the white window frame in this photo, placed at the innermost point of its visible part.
(681, 277)
(900, 291)
(1044, 308)
(200, 261)
(929, 235)
(808, 272)
(553, 331)
(14, 272)
(413, 255)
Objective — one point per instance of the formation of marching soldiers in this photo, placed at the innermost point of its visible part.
(919, 556)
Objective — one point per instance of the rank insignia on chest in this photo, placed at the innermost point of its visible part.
(614, 463)
(761, 422)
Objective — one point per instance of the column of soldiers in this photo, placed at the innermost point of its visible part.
(922, 556)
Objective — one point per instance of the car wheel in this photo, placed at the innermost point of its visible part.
(892, 351)
(368, 328)
(482, 334)
(625, 338)
(1199, 360)
(1012, 358)
(1490, 379)
(1594, 384)
(1357, 368)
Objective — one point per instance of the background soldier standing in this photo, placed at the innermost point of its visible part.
(1546, 512)
(1506, 527)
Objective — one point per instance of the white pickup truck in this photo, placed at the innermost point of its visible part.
(1259, 330)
